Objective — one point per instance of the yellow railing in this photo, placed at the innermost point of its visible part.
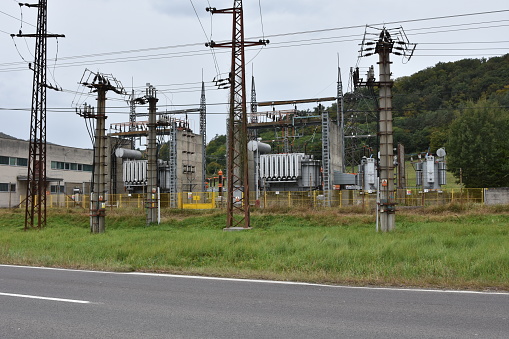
(313, 199)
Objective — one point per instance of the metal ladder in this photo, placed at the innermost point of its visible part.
(326, 158)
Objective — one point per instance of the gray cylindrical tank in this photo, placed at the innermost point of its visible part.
(310, 174)
(418, 173)
(125, 153)
(261, 147)
(442, 173)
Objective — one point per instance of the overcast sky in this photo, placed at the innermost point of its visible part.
(162, 42)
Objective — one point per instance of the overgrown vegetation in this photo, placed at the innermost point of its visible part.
(455, 246)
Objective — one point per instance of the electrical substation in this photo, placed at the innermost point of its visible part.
(159, 152)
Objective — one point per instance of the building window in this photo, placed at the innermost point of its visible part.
(70, 166)
(22, 162)
(4, 187)
(13, 161)
(54, 189)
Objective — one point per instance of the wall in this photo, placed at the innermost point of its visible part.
(189, 162)
(496, 196)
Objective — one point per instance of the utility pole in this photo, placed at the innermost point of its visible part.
(386, 185)
(238, 206)
(35, 211)
(100, 84)
(151, 201)
(384, 46)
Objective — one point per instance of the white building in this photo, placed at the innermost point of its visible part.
(68, 170)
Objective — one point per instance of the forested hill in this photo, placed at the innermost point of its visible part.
(425, 102)
(462, 106)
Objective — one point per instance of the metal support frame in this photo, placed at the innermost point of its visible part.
(173, 165)
(238, 205)
(35, 207)
(203, 132)
(151, 202)
(326, 157)
(132, 118)
(340, 109)
(253, 118)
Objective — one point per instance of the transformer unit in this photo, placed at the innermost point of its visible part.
(289, 171)
(431, 173)
(135, 175)
(367, 177)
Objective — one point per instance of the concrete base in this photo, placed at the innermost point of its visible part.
(231, 229)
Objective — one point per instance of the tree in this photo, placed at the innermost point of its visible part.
(216, 153)
(478, 145)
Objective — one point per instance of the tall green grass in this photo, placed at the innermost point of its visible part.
(449, 247)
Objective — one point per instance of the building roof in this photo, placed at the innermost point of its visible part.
(5, 136)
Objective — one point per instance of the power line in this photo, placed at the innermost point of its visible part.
(216, 65)
(286, 34)
(387, 23)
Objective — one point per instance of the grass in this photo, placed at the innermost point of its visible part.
(456, 246)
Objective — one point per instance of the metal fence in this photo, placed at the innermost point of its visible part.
(283, 199)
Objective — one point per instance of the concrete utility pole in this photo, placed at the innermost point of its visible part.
(384, 46)
(152, 196)
(238, 206)
(386, 185)
(100, 84)
(35, 211)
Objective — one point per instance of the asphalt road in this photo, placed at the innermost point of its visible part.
(49, 303)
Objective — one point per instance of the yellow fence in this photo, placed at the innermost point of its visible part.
(313, 199)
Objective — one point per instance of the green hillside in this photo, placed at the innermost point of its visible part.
(462, 106)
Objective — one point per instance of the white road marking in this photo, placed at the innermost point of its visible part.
(373, 288)
(44, 298)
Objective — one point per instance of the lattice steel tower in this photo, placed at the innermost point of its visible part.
(203, 132)
(238, 213)
(35, 211)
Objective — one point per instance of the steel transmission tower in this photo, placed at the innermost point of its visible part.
(203, 132)
(384, 45)
(254, 110)
(35, 211)
(132, 118)
(238, 208)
